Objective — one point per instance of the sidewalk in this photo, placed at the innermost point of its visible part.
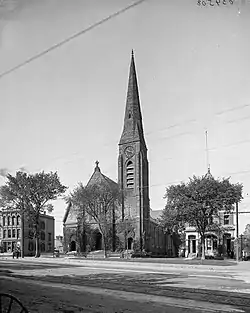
(155, 264)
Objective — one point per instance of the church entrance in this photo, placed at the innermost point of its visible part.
(130, 243)
(98, 242)
(73, 246)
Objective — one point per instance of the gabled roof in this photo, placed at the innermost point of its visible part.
(97, 178)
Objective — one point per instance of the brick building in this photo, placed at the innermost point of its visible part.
(11, 232)
(133, 179)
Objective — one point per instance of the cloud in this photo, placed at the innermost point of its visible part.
(3, 172)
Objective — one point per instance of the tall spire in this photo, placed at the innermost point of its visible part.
(133, 129)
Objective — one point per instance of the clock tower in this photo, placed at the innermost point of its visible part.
(132, 162)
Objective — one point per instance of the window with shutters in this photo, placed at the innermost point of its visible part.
(130, 174)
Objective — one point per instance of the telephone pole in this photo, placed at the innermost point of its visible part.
(237, 232)
(207, 154)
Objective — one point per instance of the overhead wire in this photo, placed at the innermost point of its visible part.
(70, 38)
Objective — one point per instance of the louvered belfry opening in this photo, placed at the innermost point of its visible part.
(130, 174)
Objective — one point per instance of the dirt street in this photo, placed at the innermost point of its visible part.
(70, 288)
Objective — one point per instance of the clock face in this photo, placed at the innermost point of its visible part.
(129, 152)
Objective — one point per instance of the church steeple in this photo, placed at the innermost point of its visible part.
(133, 173)
(133, 128)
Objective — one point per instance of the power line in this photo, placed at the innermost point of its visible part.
(63, 42)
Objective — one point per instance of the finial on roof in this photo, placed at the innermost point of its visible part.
(97, 168)
(132, 54)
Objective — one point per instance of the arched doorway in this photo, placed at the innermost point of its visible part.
(98, 242)
(130, 243)
(73, 245)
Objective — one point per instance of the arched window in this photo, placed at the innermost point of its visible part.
(130, 174)
(9, 233)
(8, 220)
(4, 220)
(13, 220)
(18, 220)
(13, 233)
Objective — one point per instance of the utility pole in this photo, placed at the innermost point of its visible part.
(241, 247)
(207, 153)
(237, 232)
(22, 234)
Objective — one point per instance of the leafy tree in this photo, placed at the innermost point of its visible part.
(198, 203)
(126, 228)
(99, 202)
(30, 194)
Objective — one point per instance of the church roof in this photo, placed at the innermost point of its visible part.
(97, 178)
(133, 128)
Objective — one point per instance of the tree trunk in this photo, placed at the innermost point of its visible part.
(37, 248)
(37, 233)
(202, 247)
(104, 246)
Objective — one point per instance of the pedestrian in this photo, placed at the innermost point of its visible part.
(14, 253)
(18, 252)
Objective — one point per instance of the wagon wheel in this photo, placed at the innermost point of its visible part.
(10, 304)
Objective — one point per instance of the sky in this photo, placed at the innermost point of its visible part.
(65, 110)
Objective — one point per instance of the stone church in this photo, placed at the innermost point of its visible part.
(133, 180)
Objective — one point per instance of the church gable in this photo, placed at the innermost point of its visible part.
(97, 178)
